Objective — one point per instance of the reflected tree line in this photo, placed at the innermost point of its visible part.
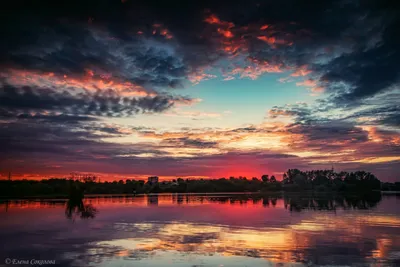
(292, 201)
(332, 203)
(292, 180)
(75, 206)
(296, 202)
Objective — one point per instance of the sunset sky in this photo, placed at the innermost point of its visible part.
(129, 89)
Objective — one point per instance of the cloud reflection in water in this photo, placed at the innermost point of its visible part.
(217, 230)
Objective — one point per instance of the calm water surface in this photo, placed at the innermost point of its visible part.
(195, 230)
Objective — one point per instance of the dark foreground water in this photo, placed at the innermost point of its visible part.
(189, 230)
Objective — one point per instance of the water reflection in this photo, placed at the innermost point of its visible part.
(213, 230)
(292, 202)
(299, 202)
(152, 200)
(75, 207)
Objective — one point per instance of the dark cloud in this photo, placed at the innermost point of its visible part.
(300, 112)
(329, 132)
(112, 130)
(53, 118)
(391, 120)
(28, 145)
(68, 43)
(385, 115)
(245, 130)
(350, 47)
(330, 137)
(100, 103)
(188, 142)
(367, 71)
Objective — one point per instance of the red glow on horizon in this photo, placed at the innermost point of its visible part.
(110, 177)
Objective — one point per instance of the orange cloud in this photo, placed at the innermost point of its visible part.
(302, 71)
(318, 89)
(162, 31)
(308, 83)
(226, 33)
(199, 76)
(166, 34)
(213, 19)
(272, 40)
(255, 69)
(225, 30)
(235, 40)
(89, 81)
(268, 40)
(89, 72)
(380, 136)
(312, 83)
(233, 47)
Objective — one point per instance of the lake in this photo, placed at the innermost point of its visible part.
(203, 230)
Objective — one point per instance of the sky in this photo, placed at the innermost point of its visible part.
(130, 89)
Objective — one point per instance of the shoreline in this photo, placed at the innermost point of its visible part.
(305, 193)
(111, 195)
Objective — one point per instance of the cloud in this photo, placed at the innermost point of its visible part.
(188, 142)
(367, 72)
(381, 110)
(146, 63)
(147, 47)
(192, 114)
(252, 150)
(67, 68)
(200, 75)
(314, 134)
(100, 103)
(301, 71)
(392, 120)
(252, 70)
(298, 112)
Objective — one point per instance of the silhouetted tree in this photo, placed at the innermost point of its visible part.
(265, 178)
(293, 180)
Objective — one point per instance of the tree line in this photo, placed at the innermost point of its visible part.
(293, 180)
